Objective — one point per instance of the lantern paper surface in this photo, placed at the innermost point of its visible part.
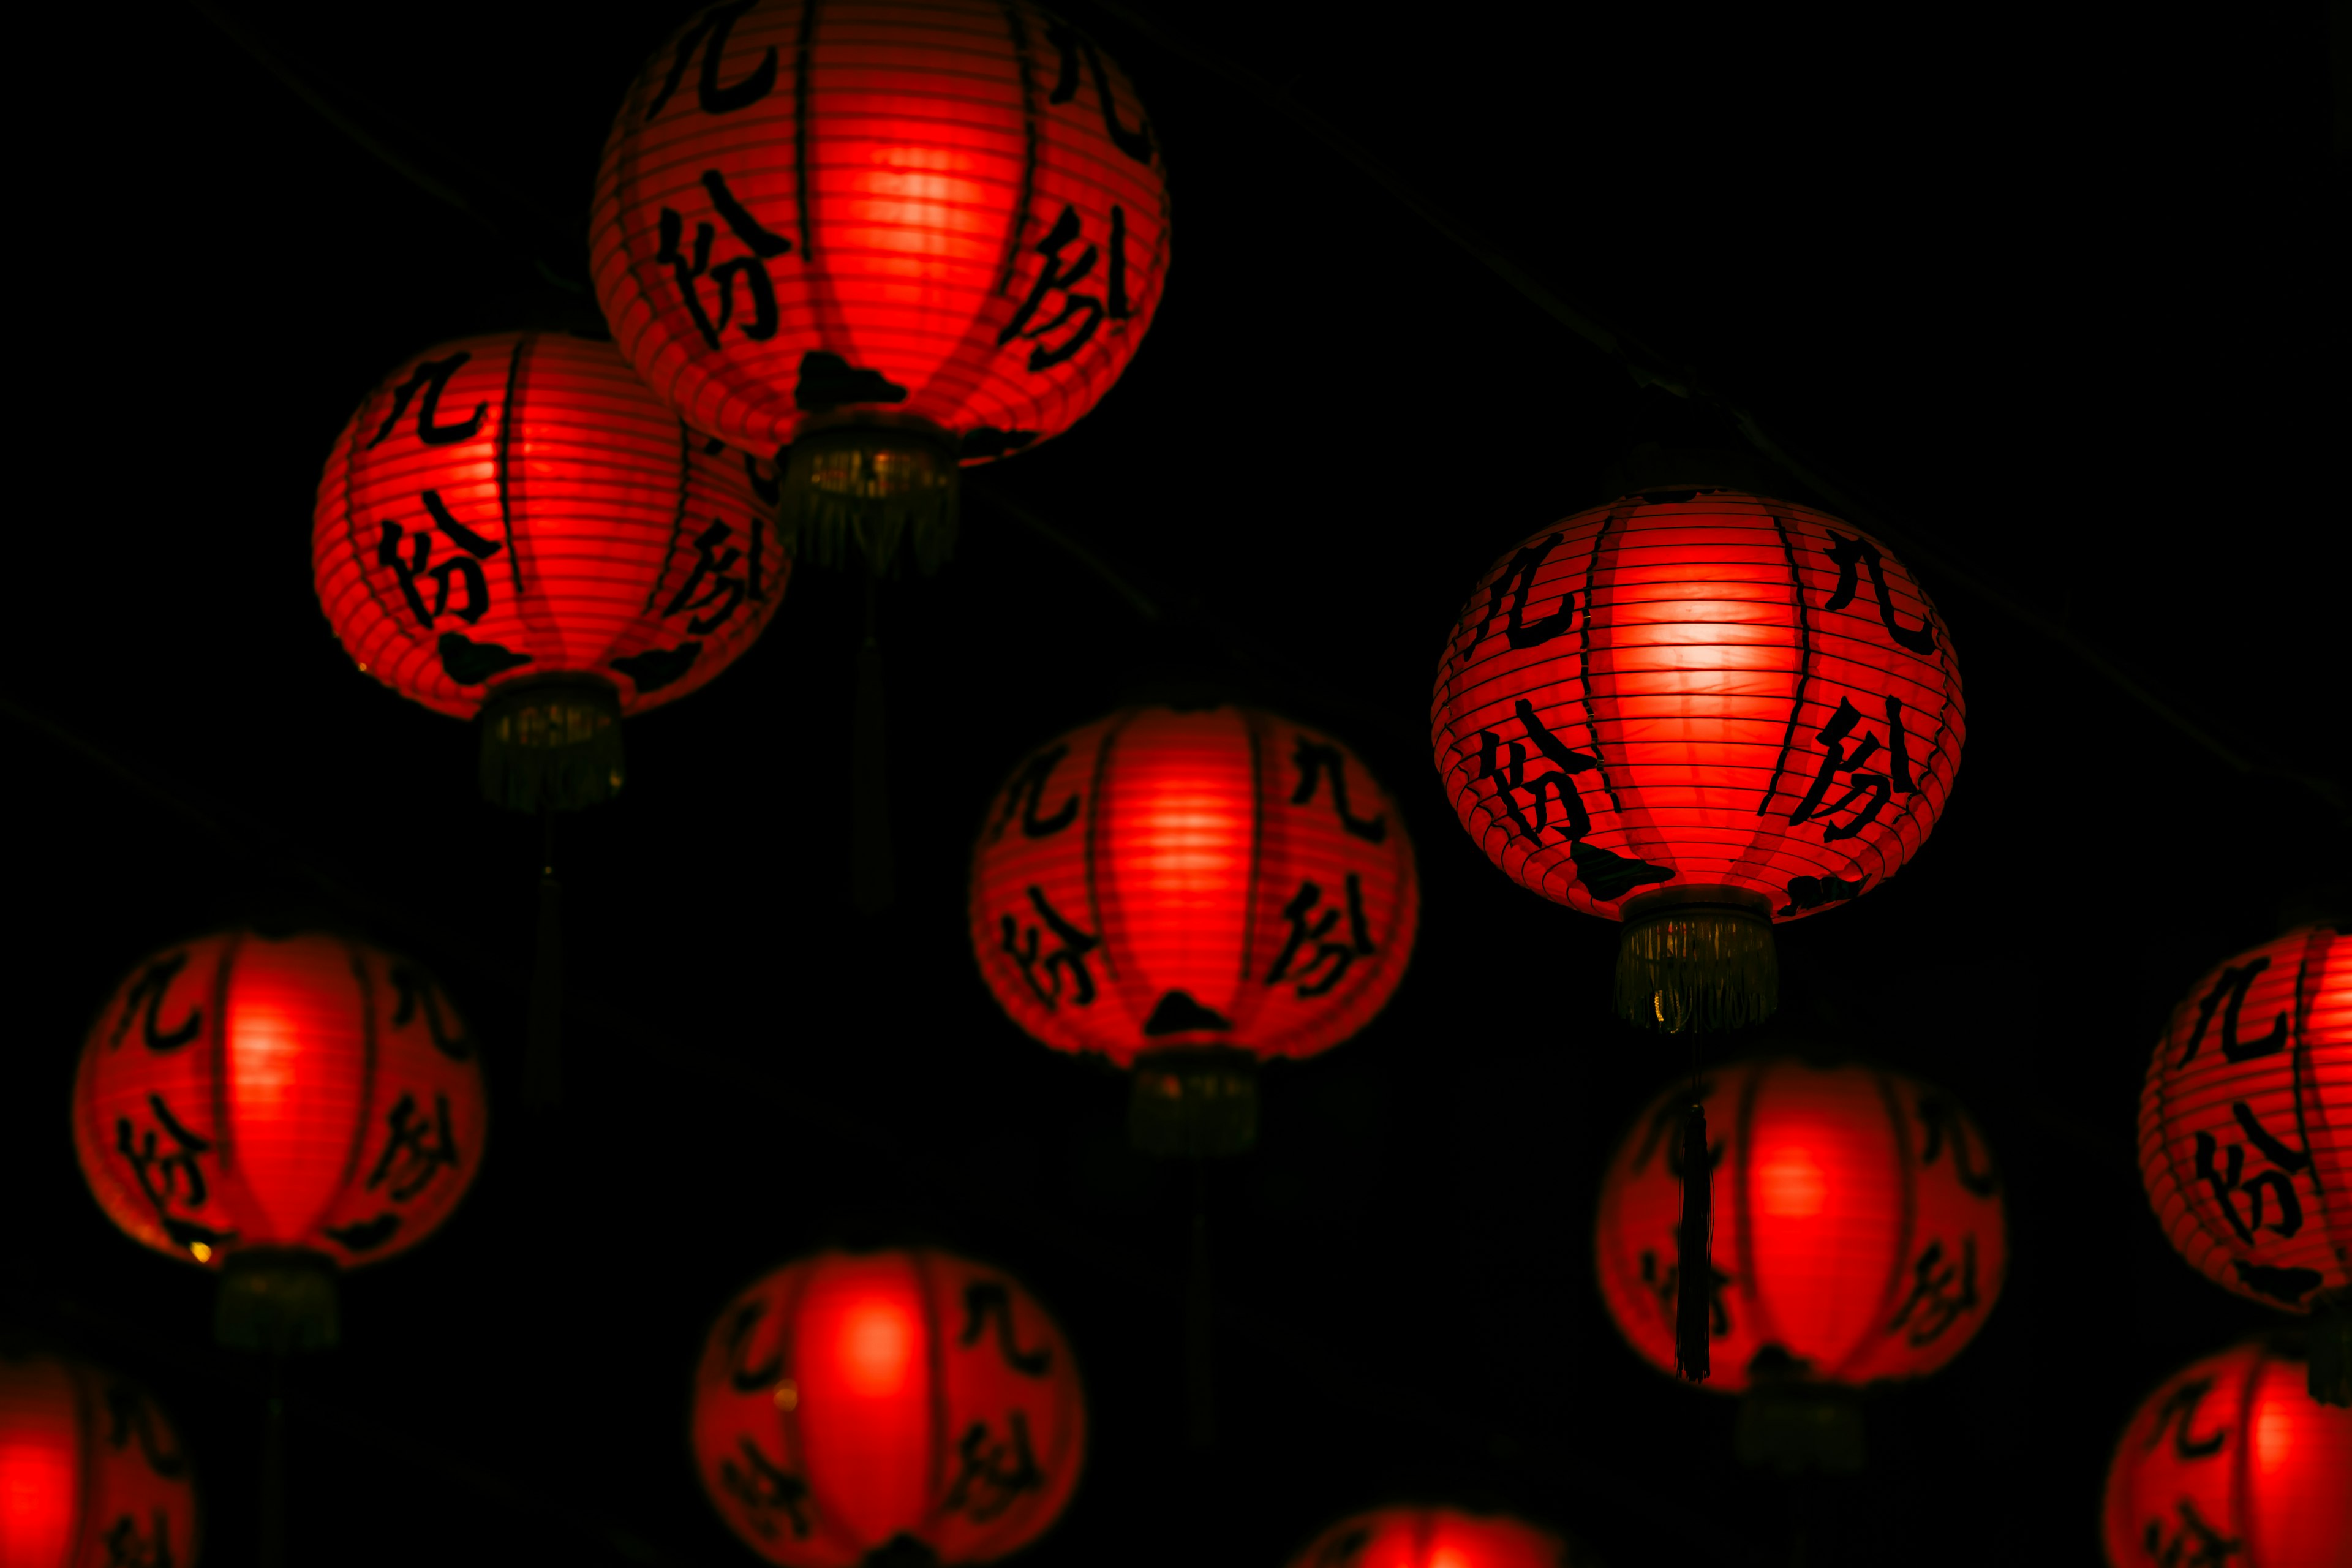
(946, 211)
(2245, 1122)
(2232, 1462)
(1858, 1222)
(851, 1399)
(1721, 692)
(1434, 1538)
(510, 508)
(91, 1474)
(241, 1092)
(1214, 877)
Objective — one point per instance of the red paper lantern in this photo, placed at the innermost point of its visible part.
(892, 236)
(1415, 1536)
(1858, 1225)
(512, 527)
(278, 1109)
(1188, 891)
(1698, 714)
(91, 1474)
(2232, 1462)
(856, 1401)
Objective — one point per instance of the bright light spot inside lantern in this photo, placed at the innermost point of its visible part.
(1190, 836)
(2274, 1435)
(877, 1348)
(201, 1251)
(1793, 1185)
(1447, 1557)
(916, 200)
(788, 1394)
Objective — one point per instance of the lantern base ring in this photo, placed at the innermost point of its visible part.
(552, 744)
(1698, 960)
(1197, 1103)
(277, 1301)
(882, 491)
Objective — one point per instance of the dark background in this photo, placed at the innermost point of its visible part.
(2047, 292)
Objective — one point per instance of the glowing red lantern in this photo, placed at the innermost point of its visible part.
(1188, 891)
(1698, 714)
(91, 1474)
(513, 527)
(278, 1109)
(1858, 1225)
(2246, 1133)
(856, 1401)
(891, 237)
(1417, 1537)
(2230, 1461)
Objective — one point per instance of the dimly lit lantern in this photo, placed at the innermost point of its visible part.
(1418, 1537)
(512, 527)
(871, 1406)
(278, 1109)
(1698, 713)
(2245, 1135)
(1858, 1230)
(91, 1474)
(890, 236)
(1188, 892)
(2231, 1462)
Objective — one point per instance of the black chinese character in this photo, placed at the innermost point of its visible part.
(411, 1157)
(163, 1177)
(2179, 1413)
(2232, 987)
(710, 582)
(2195, 1545)
(1940, 1294)
(2230, 1177)
(1837, 760)
(129, 1415)
(1575, 821)
(1071, 43)
(1344, 1548)
(991, 1476)
(750, 269)
(147, 992)
(1027, 794)
(1522, 572)
(1851, 554)
(985, 1300)
(764, 1488)
(418, 994)
(1338, 954)
(126, 1548)
(467, 565)
(1070, 957)
(431, 377)
(1942, 1120)
(710, 33)
(1314, 759)
(751, 1379)
(1667, 1285)
(1056, 277)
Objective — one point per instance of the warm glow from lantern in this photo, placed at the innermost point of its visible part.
(37, 1493)
(1791, 1184)
(877, 1346)
(914, 208)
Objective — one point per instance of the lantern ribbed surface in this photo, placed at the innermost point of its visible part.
(1411, 1536)
(91, 1474)
(2231, 1461)
(243, 1093)
(945, 211)
(509, 509)
(855, 1400)
(1858, 1225)
(1215, 878)
(2245, 1122)
(1721, 692)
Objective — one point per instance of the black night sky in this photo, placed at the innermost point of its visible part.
(2047, 294)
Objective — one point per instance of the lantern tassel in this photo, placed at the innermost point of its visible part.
(2330, 1342)
(543, 1051)
(1697, 959)
(872, 874)
(552, 745)
(1199, 1324)
(880, 492)
(1695, 1269)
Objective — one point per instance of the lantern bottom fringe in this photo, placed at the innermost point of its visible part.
(1197, 1104)
(551, 745)
(901, 1551)
(2329, 1342)
(1697, 959)
(277, 1301)
(1796, 1426)
(882, 492)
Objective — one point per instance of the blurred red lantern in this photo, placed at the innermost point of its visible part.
(2231, 1462)
(1698, 713)
(2246, 1133)
(513, 527)
(891, 237)
(278, 1109)
(1858, 1225)
(1415, 1536)
(91, 1474)
(854, 1401)
(1188, 891)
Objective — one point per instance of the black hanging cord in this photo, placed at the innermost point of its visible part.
(1200, 1369)
(542, 1056)
(1694, 1266)
(272, 1552)
(872, 876)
